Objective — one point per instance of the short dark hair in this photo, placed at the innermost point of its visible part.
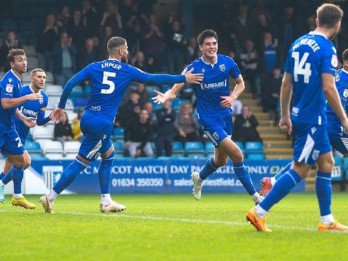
(329, 15)
(13, 53)
(206, 34)
(115, 43)
(34, 71)
(345, 55)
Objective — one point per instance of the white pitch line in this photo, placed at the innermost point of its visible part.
(179, 220)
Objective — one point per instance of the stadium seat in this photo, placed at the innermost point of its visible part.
(49, 78)
(118, 133)
(256, 156)
(253, 147)
(32, 147)
(176, 103)
(240, 145)
(33, 62)
(53, 90)
(40, 132)
(71, 147)
(53, 149)
(194, 148)
(178, 149)
(119, 148)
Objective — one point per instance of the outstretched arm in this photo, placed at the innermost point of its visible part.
(168, 95)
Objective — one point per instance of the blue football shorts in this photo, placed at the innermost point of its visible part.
(339, 142)
(10, 142)
(217, 128)
(97, 132)
(311, 141)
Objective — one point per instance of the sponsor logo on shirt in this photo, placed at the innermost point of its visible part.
(9, 87)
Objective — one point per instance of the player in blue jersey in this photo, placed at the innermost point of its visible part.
(309, 77)
(109, 80)
(31, 108)
(338, 138)
(10, 142)
(214, 102)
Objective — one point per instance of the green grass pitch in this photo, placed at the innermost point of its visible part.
(170, 227)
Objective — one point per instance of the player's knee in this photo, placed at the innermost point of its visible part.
(108, 156)
(27, 164)
(220, 162)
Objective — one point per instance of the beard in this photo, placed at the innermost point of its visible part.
(124, 59)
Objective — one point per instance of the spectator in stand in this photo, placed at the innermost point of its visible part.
(143, 95)
(191, 50)
(89, 18)
(175, 46)
(165, 129)
(289, 29)
(111, 17)
(107, 34)
(153, 40)
(64, 56)
(137, 135)
(47, 39)
(187, 126)
(87, 54)
(264, 26)
(152, 64)
(134, 32)
(63, 130)
(139, 61)
(249, 60)
(245, 126)
(237, 107)
(76, 129)
(63, 18)
(241, 24)
(152, 116)
(129, 109)
(11, 42)
(77, 29)
(271, 94)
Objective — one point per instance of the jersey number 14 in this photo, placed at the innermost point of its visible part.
(301, 66)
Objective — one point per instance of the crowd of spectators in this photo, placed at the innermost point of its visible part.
(255, 33)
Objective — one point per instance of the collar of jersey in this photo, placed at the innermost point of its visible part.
(343, 70)
(317, 33)
(16, 76)
(209, 63)
(113, 59)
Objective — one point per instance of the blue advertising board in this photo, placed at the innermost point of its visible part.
(159, 176)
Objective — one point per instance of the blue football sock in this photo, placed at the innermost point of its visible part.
(17, 177)
(282, 172)
(280, 189)
(323, 190)
(2, 175)
(104, 174)
(244, 177)
(209, 168)
(8, 177)
(69, 175)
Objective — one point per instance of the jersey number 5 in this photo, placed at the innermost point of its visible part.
(106, 80)
(301, 67)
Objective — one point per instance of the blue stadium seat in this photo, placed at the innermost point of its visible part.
(209, 148)
(256, 156)
(240, 145)
(119, 148)
(253, 147)
(33, 147)
(176, 103)
(194, 148)
(118, 133)
(178, 149)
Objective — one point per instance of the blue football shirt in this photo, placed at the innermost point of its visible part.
(215, 84)
(308, 58)
(10, 86)
(109, 80)
(35, 109)
(333, 122)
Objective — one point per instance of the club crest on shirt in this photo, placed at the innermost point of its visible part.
(9, 87)
(345, 93)
(222, 67)
(215, 136)
(337, 77)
